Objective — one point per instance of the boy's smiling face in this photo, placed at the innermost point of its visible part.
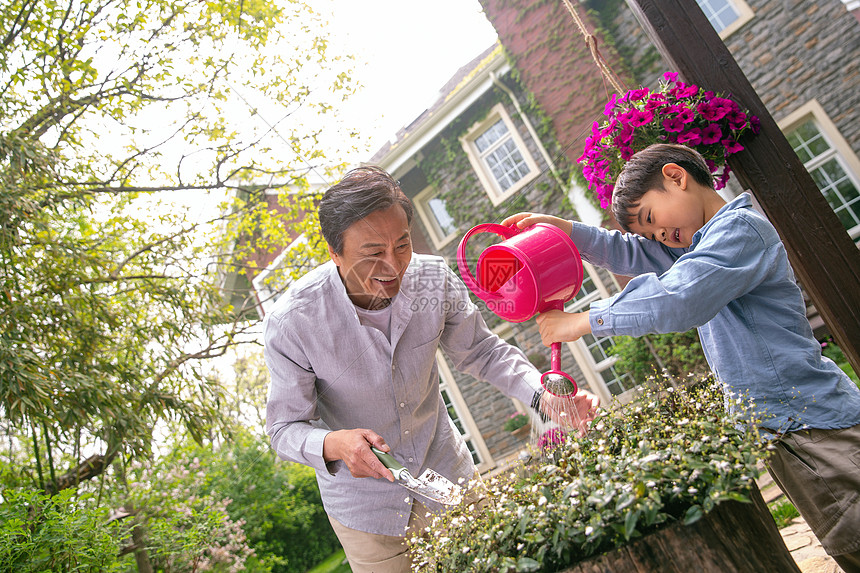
(672, 215)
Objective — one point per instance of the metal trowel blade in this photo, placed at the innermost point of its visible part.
(434, 486)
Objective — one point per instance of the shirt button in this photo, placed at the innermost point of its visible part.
(600, 321)
(406, 432)
(403, 404)
(411, 459)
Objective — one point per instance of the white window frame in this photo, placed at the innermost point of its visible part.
(841, 150)
(590, 368)
(745, 14)
(473, 434)
(488, 181)
(422, 205)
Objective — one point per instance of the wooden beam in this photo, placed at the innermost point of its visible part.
(825, 259)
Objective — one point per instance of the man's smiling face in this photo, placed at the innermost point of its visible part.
(376, 252)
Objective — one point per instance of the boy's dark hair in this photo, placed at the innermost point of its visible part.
(644, 172)
(361, 192)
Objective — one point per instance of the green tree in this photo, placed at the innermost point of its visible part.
(679, 354)
(116, 116)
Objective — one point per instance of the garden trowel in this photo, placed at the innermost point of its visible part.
(429, 484)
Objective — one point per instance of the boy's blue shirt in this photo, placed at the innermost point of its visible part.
(735, 284)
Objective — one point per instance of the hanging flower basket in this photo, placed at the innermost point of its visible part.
(674, 113)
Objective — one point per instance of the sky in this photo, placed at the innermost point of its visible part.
(405, 51)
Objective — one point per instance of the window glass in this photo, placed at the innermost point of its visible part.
(828, 171)
(501, 155)
(720, 13)
(440, 213)
(458, 422)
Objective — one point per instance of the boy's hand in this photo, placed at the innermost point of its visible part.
(560, 326)
(571, 412)
(524, 220)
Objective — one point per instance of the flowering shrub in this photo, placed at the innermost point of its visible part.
(666, 457)
(515, 421)
(675, 113)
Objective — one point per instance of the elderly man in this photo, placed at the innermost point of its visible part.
(351, 348)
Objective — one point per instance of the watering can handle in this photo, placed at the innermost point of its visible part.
(463, 264)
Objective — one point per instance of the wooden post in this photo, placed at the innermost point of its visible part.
(825, 259)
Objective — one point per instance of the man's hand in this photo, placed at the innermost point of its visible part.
(560, 326)
(353, 447)
(524, 220)
(571, 412)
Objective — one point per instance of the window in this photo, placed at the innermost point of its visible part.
(830, 161)
(459, 414)
(726, 16)
(597, 349)
(434, 214)
(499, 156)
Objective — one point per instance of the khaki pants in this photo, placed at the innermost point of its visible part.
(819, 471)
(374, 553)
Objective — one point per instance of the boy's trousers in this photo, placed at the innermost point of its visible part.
(819, 472)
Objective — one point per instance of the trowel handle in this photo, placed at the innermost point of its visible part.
(388, 461)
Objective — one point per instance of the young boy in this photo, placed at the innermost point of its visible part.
(700, 262)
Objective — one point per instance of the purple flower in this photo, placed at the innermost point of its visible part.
(691, 138)
(683, 91)
(731, 146)
(711, 134)
(686, 115)
(671, 76)
(624, 136)
(724, 178)
(755, 124)
(673, 124)
(655, 101)
(737, 119)
(636, 117)
(636, 95)
(551, 437)
(716, 108)
(610, 105)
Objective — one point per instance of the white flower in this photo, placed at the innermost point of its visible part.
(589, 530)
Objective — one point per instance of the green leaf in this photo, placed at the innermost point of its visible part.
(693, 514)
(526, 564)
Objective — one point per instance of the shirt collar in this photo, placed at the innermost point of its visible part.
(742, 201)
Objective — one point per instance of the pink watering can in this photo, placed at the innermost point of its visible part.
(532, 270)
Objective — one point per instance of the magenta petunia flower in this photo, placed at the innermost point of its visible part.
(673, 124)
(691, 138)
(671, 76)
(683, 91)
(711, 134)
(640, 117)
(608, 110)
(686, 115)
(731, 146)
(637, 95)
(715, 109)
